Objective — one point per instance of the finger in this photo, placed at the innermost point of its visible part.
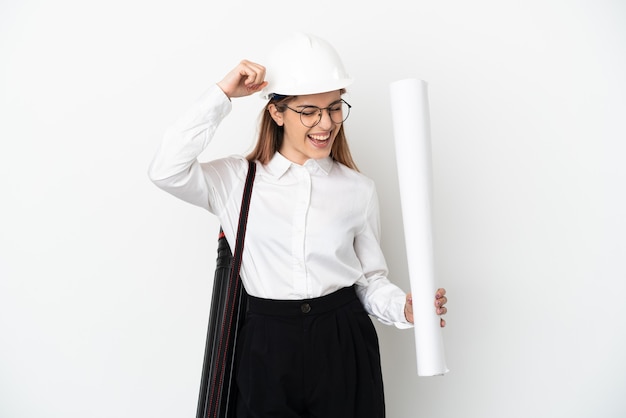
(442, 322)
(256, 87)
(249, 76)
(254, 73)
(440, 293)
(442, 311)
(440, 302)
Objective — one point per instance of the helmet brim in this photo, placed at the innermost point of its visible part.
(304, 89)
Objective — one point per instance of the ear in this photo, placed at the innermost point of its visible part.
(276, 115)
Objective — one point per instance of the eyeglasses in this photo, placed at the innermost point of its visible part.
(312, 115)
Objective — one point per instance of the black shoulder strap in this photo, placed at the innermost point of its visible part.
(243, 219)
(217, 389)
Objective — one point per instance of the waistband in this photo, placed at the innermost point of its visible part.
(302, 306)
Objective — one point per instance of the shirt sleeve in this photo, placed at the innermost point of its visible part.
(380, 297)
(175, 167)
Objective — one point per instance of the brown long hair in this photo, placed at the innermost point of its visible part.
(270, 137)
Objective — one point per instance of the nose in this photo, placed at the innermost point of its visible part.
(325, 121)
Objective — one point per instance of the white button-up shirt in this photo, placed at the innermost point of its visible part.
(312, 229)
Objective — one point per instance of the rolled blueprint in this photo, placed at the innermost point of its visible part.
(411, 127)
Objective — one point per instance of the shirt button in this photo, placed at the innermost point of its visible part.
(305, 307)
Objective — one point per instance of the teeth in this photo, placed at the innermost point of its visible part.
(320, 137)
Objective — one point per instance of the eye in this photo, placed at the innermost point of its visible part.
(310, 111)
(336, 107)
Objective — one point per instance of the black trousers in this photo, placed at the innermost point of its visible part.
(309, 358)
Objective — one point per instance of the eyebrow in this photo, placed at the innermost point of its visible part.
(310, 105)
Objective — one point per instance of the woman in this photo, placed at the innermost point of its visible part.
(312, 264)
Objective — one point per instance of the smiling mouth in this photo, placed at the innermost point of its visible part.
(319, 139)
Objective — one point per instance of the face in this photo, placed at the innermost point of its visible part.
(299, 142)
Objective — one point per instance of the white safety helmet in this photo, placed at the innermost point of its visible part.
(304, 64)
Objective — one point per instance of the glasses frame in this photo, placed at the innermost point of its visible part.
(320, 111)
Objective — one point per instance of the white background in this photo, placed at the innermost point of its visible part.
(105, 280)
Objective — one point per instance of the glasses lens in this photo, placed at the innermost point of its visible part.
(339, 111)
(310, 116)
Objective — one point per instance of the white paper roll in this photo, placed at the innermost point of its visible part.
(411, 126)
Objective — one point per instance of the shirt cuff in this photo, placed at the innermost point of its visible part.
(397, 306)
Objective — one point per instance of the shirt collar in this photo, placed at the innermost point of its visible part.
(279, 165)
